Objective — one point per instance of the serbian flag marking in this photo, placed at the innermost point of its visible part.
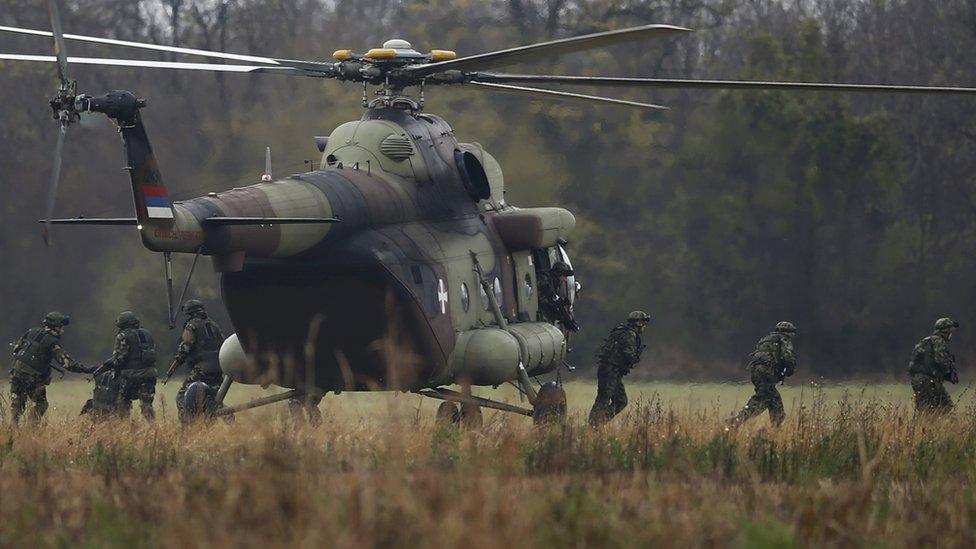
(158, 205)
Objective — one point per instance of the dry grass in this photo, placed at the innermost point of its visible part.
(853, 471)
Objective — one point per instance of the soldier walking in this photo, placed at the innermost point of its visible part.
(199, 348)
(30, 373)
(770, 363)
(134, 363)
(931, 364)
(620, 351)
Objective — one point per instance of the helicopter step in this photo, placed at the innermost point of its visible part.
(459, 398)
(264, 401)
(549, 406)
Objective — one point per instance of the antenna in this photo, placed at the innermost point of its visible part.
(266, 176)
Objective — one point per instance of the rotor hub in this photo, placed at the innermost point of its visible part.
(397, 44)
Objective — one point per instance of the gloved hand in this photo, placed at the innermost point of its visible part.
(79, 368)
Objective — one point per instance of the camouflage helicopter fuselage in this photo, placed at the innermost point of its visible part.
(389, 298)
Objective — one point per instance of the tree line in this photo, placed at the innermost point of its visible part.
(851, 215)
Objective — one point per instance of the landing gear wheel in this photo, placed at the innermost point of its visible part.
(470, 416)
(550, 405)
(448, 414)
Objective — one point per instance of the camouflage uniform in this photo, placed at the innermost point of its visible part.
(553, 303)
(772, 361)
(134, 362)
(30, 372)
(619, 353)
(931, 364)
(199, 346)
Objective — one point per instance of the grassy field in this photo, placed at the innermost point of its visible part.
(67, 397)
(852, 466)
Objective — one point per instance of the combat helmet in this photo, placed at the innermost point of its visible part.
(561, 268)
(945, 324)
(637, 317)
(193, 306)
(54, 319)
(127, 319)
(785, 327)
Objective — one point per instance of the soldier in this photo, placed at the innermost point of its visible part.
(620, 351)
(306, 404)
(553, 302)
(770, 363)
(134, 362)
(931, 364)
(199, 347)
(30, 373)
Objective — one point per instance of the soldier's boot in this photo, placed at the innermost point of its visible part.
(752, 409)
(17, 405)
(619, 400)
(777, 413)
(40, 408)
(146, 407)
(600, 414)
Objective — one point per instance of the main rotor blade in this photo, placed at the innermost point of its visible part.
(685, 83)
(59, 49)
(215, 67)
(536, 92)
(52, 191)
(531, 52)
(172, 49)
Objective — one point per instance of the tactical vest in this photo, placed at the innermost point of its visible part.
(208, 339)
(142, 353)
(36, 350)
(609, 352)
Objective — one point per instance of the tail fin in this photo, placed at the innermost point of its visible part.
(149, 193)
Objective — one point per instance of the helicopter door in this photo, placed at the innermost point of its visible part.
(525, 285)
(573, 286)
(544, 259)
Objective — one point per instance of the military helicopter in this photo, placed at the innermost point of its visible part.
(397, 264)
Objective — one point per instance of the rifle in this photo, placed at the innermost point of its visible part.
(172, 370)
(58, 369)
(952, 376)
(107, 365)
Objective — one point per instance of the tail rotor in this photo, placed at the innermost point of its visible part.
(64, 109)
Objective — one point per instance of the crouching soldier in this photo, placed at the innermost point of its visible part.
(34, 356)
(620, 352)
(931, 364)
(199, 348)
(105, 401)
(772, 361)
(134, 364)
